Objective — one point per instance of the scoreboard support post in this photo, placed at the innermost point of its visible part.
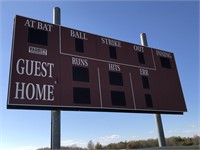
(55, 114)
(161, 136)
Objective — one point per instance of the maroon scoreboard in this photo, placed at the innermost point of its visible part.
(55, 67)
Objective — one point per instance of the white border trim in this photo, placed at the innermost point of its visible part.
(107, 61)
(102, 60)
(99, 81)
(132, 91)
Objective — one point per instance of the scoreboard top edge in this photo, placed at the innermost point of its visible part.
(19, 16)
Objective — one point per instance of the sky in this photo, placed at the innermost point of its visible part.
(170, 25)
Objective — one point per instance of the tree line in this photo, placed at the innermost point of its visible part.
(171, 141)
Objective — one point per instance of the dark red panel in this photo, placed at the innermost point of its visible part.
(56, 67)
(34, 67)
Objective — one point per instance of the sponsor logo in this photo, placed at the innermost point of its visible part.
(37, 50)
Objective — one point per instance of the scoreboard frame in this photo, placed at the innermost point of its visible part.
(55, 67)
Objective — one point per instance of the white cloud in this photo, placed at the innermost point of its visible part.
(151, 132)
(73, 143)
(114, 136)
(192, 126)
(26, 148)
(109, 139)
(134, 138)
(186, 131)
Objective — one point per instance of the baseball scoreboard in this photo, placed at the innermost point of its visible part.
(55, 67)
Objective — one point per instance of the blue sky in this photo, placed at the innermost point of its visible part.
(169, 25)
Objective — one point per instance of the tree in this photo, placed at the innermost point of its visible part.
(174, 141)
(98, 146)
(196, 140)
(90, 145)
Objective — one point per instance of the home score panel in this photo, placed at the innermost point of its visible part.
(55, 67)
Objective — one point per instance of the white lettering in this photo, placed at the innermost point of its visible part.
(21, 71)
(163, 54)
(51, 65)
(111, 42)
(79, 62)
(103, 41)
(29, 23)
(29, 68)
(35, 68)
(78, 34)
(50, 92)
(40, 93)
(39, 26)
(17, 90)
(138, 48)
(44, 26)
(44, 73)
(32, 91)
(114, 67)
(72, 33)
(144, 72)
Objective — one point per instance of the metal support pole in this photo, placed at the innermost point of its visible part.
(56, 16)
(55, 114)
(161, 136)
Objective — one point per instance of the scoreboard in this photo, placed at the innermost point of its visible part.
(55, 67)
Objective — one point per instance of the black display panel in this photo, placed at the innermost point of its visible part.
(145, 82)
(112, 51)
(141, 58)
(79, 46)
(115, 78)
(81, 95)
(37, 36)
(80, 74)
(118, 98)
(148, 101)
(165, 62)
